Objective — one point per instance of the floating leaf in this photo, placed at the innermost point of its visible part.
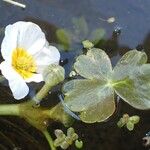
(121, 123)
(87, 44)
(134, 119)
(133, 84)
(79, 144)
(127, 63)
(93, 97)
(64, 38)
(130, 126)
(97, 35)
(100, 111)
(127, 121)
(81, 27)
(95, 64)
(87, 90)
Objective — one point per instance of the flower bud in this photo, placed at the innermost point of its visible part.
(53, 74)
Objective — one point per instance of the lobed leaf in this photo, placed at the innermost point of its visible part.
(95, 64)
(127, 63)
(92, 98)
(135, 88)
(100, 111)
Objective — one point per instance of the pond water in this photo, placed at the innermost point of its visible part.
(132, 18)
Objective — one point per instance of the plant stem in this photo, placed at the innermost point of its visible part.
(42, 93)
(9, 109)
(49, 139)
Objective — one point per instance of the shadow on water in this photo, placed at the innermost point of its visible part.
(132, 17)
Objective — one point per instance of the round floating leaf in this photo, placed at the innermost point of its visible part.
(92, 98)
(95, 64)
(135, 87)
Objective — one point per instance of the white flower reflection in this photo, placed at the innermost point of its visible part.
(26, 53)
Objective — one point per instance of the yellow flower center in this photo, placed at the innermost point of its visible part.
(23, 63)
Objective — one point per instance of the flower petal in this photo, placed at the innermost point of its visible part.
(47, 56)
(22, 34)
(31, 38)
(35, 78)
(9, 42)
(17, 85)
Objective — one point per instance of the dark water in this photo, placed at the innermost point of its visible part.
(132, 16)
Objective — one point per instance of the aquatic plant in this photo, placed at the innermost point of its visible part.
(89, 98)
(64, 141)
(128, 121)
(25, 57)
(80, 33)
(92, 96)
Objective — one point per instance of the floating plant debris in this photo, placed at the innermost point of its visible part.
(109, 20)
(15, 3)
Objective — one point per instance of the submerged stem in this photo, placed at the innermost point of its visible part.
(49, 139)
(9, 109)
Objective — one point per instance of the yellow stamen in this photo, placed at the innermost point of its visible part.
(23, 63)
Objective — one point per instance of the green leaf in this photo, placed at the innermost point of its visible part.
(95, 64)
(92, 98)
(64, 38)
(100, 111)
(82, 93)
(121, 122)
(134, 119)
(87, 44)
(80, 27)
(132, 79)
(97, 35)
(133, 58)
(79, 144)
(130, 126)
(127, 63)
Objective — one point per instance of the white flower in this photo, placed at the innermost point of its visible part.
(26, 53)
